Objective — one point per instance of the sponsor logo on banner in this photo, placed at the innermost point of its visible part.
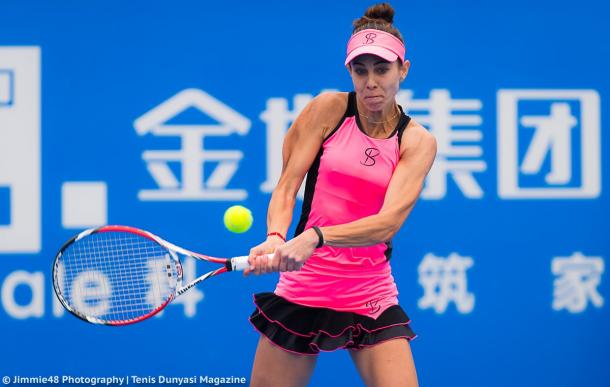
(542, 138)
(192, 157)
(549, 144)
(455, 125)
(576, 282)
(445, 281)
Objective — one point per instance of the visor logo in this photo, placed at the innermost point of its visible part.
(370, 38)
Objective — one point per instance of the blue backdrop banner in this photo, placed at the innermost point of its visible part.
(161, 115)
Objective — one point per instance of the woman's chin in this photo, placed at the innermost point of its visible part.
(374, 106)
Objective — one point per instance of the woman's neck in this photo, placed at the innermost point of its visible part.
(379, 124)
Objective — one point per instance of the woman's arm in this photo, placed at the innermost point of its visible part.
(301, 145)
(300, 148)
(418, 151)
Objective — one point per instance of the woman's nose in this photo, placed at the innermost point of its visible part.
(371, 83)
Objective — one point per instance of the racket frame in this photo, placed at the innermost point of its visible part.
(236, 263)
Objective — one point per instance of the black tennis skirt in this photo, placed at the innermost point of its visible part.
(308, 330)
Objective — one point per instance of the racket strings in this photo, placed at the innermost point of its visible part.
(116, 276)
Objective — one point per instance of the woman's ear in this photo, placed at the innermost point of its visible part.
(404, 70)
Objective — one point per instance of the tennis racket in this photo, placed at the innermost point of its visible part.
(119, 275)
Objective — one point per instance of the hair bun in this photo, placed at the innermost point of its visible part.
(383, 11)
(378, 17)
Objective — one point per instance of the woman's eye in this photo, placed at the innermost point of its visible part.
(360, 71)
(382, 70)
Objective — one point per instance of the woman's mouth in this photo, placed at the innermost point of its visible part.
(374, 98)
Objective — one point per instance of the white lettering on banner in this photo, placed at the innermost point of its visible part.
(444, 280)
(35, 283)
(554, 136)
(7, 92)
(91, 293)
(192, 156)
(458, 155)
(58, 309)
(577, 282)
(20, 148)
(84, 204)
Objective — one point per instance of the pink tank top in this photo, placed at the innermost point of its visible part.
(347, 181)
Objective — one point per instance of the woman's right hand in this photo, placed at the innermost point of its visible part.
(258, 259)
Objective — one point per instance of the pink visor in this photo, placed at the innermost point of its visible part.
(376, 42)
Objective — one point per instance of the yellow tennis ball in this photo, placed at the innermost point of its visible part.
(238, 219)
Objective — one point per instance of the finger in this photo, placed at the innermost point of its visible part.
(276, 263)
(277, 258)
(261, 249)
(257, 265)
(282, 266)
(251, 266)
(252, 256)
(253, 263)
(289, 265)
(264, 262)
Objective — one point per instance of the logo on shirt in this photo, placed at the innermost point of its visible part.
(370, 154)
(374, 305)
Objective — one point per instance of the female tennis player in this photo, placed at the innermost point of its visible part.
(366, 161)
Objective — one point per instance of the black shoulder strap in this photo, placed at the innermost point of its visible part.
(351, 104)
(402, 124)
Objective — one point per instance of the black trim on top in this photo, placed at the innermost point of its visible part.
(310, 187)
(388, 250)
(402, 126)
(312, 173)
(352, 109)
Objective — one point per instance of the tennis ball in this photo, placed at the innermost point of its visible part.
(238, 219)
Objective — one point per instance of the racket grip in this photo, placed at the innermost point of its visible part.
(241, 263)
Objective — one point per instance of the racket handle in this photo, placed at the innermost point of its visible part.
(241, 263)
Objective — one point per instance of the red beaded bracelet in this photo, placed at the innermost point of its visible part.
(277, 234)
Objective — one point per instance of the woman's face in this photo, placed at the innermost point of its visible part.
(376, 81)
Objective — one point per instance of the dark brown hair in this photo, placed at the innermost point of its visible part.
(378, 17)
